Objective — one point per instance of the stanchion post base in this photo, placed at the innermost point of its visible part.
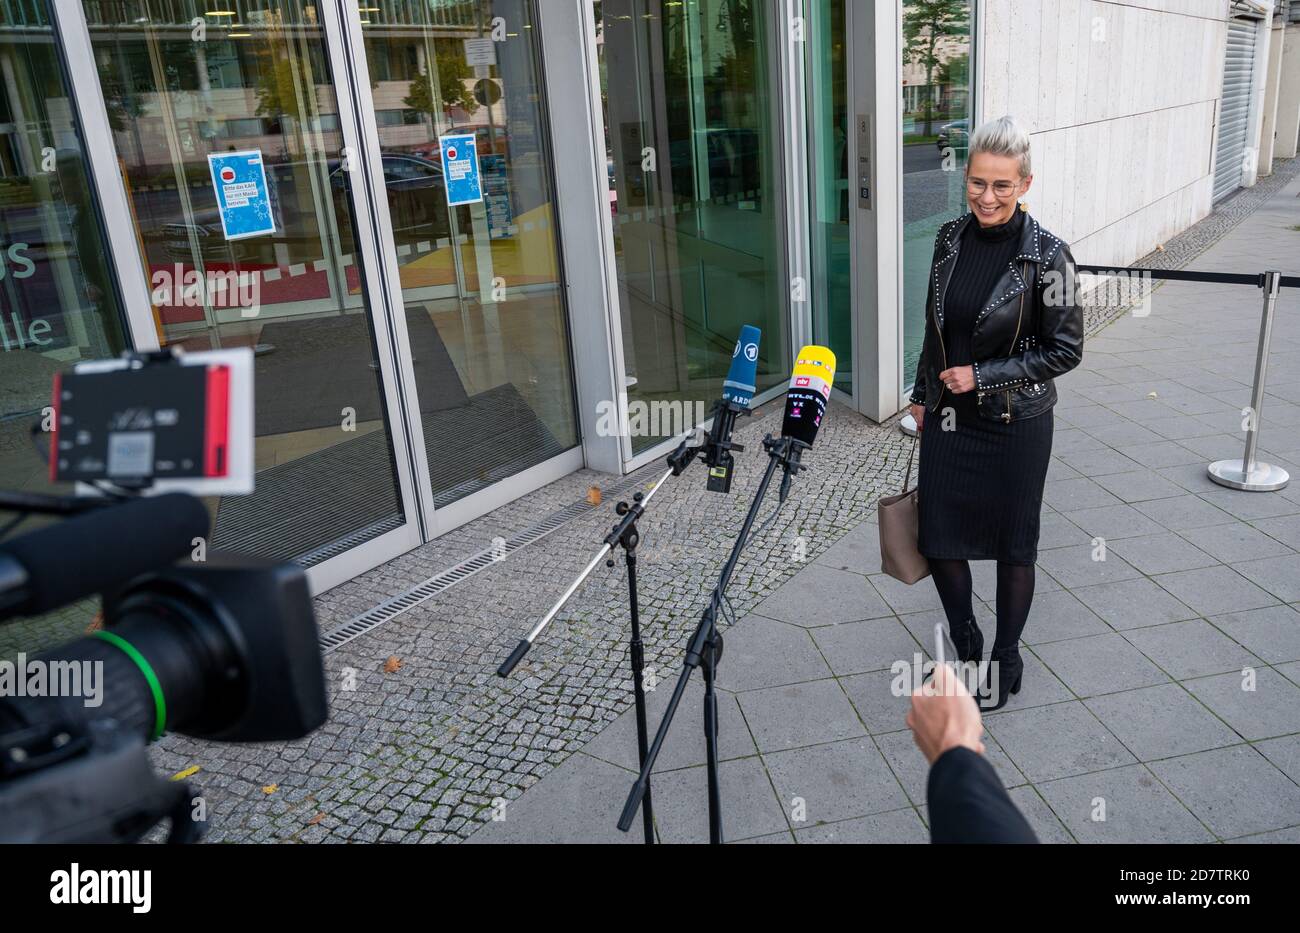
(1264, 478)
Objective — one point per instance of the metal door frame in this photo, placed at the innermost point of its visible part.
(343, 23)
(110, 189)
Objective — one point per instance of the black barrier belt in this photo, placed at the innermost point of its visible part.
(1184, 275)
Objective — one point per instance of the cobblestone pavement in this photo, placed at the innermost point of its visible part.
(419, 754)
(1161, 699)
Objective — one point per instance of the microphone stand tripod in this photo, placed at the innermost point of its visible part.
(626, 535)
(704, 649)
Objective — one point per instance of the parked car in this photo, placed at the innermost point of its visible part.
(955, 134)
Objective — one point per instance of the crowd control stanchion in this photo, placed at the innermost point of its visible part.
(1248, 473)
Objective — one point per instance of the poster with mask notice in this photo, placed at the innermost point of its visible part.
(242, 196)
(460, 169)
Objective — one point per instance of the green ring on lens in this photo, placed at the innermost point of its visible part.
(159, 702)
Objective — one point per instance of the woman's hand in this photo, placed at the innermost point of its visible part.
(959, 379)
(918, 415)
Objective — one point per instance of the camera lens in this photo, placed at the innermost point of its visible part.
(166, 663)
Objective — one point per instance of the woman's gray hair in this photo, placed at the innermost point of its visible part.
(1003, 136)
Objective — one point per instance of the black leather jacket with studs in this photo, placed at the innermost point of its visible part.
(1020, 346)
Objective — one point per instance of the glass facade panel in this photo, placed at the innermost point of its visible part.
(937, 109)
(58, 303)
(828, 185)
(58, 299)
(182, 82)
(480, 281)
(695, 194)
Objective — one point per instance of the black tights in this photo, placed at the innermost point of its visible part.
(1015, 594)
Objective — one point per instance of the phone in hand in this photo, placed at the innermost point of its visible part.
(945, 652)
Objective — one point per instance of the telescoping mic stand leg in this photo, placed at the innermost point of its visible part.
(709, 659)
(705, 650)
(629, 537)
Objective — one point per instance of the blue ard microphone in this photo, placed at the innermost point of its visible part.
(739, 386)
(737, 393)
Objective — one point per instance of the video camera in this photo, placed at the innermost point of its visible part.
(213, 646)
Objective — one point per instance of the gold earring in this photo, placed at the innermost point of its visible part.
(1024, 207)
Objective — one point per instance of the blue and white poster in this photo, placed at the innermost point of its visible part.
(460, 169)
(242, 197)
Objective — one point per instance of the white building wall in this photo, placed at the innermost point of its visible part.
(1287, 126)
(1272, 85)
(1119, 99)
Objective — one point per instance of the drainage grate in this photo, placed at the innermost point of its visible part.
(440, 582)
(346, 543)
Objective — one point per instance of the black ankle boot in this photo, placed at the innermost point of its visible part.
(968, 640)
(1011, 667)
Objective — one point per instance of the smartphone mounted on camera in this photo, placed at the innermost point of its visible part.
(156, 422)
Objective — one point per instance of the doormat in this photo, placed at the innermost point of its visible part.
(320, 366)
(301, 507)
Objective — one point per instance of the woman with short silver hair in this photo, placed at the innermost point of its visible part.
(1001, 324)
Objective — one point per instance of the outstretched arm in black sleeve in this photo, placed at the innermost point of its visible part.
(969, 804)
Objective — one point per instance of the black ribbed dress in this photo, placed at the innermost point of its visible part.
(980, 485)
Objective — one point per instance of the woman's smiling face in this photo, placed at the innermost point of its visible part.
(993, 184)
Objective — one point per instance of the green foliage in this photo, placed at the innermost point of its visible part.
(453, 72)
(925, 24)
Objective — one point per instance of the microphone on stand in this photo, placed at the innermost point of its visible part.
(810, 388)
(737, 392)
(805, 406)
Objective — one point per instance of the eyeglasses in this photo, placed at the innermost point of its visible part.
(1003, 189)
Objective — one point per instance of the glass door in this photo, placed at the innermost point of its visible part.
(937, 114)
(192, 87)
(696, 198)
(460, 112)
(831, 210)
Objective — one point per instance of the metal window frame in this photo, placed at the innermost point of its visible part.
(1262, 16)
(849, 398)
(877, 250)
(109, 187)
(106, 182)
(792, 89)
(373, 226)
(857, 309)
(571, 73)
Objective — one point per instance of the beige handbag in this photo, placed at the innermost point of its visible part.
(899, 520)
